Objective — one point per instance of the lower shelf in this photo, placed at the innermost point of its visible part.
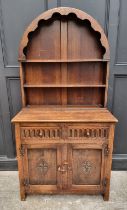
(91, 97)
(56, 107)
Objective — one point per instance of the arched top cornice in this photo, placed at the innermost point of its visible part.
(63, 11)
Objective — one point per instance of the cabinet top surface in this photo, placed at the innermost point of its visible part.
(63, 114)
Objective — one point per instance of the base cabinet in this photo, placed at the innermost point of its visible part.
(68, 159)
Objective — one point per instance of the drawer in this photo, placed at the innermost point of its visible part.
(43, 132)
(88, 132)
(66, 131)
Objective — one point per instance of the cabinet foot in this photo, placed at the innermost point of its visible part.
(22, 194)
(106, 196)
(23, 197)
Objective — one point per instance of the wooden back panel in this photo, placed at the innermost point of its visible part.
(83, 42)
(44, 43)
(64, 64)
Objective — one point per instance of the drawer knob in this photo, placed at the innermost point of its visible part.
(59, 168)
(87, 133)
(40, 134)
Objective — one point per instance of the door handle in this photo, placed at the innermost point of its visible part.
(64, 167)
(65, 163)
(68, 167)
(61, 169)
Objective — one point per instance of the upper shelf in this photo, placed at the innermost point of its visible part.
(64, 61)
(62, 85)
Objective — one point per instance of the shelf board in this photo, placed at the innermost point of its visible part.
(67, 107)
(62, 85)
(63, 61)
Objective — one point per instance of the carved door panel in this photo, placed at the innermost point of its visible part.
(87, 167)
(50, 168)
(41, 167)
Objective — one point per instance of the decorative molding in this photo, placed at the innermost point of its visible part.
(119, 162)
(88, 133)
(2, 36)
(7, 164)
(51, 4)
(58, 3)
(46, 4)
(64, 132)
(8, 79)
(11, 108)
(114, 84)
(41, 133)
(2, 128)
(22, 150)
(3, 42)
(117, 40)
(63, 11)
(107, 10)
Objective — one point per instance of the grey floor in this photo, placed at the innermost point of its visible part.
(9, 196)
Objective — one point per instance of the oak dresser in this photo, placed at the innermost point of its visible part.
(64, 132)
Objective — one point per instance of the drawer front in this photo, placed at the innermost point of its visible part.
(88, 132)
(40, 133)
(66, 132)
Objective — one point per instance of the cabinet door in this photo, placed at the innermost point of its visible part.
(40, 168)
(87, 167)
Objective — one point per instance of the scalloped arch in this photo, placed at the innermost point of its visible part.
(63, 11)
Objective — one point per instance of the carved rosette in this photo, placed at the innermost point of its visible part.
(42, 166)
(87, 167)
